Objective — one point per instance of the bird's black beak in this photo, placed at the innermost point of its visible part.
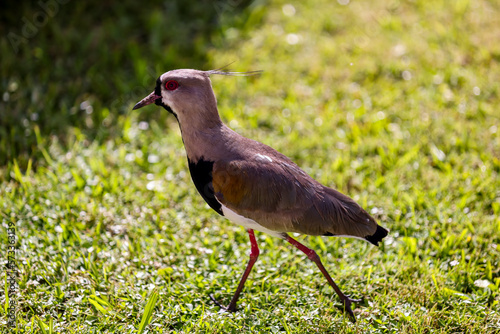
(151, 98)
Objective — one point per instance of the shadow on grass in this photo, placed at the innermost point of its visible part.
(83, 64)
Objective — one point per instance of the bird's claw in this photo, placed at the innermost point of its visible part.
(346, 302)
(230, 308)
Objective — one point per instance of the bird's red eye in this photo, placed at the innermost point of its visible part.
(171, 85)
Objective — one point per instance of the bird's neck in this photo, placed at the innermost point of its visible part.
(202, 136)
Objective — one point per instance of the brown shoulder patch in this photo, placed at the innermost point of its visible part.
(230, 182)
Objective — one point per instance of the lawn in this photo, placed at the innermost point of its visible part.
(393, 103)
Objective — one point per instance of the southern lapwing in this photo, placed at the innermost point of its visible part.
(252, 184)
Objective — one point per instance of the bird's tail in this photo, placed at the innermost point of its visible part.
(379, 234)
(352, 220)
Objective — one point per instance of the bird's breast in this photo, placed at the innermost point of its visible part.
(201, 173)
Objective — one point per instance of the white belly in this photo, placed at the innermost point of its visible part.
(248, 223)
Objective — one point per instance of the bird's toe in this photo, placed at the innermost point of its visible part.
(346, 303)
(230, 308)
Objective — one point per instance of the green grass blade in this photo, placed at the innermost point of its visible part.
(41, 325)
(148, 311)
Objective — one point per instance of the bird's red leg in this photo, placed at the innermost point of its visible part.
(254, 254)
(311, 254)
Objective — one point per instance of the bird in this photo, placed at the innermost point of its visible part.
(252, 184)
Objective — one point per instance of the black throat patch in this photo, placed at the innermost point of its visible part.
(201, 173)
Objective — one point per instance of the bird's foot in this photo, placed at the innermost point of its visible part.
(346, 303)
(231, 308)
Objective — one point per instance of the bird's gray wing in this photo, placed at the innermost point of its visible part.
(282, 197)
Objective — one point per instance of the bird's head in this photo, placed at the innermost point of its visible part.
(186, 92)
(188, 95)
(178, 90)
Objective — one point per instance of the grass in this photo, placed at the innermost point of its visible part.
(395, 104)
